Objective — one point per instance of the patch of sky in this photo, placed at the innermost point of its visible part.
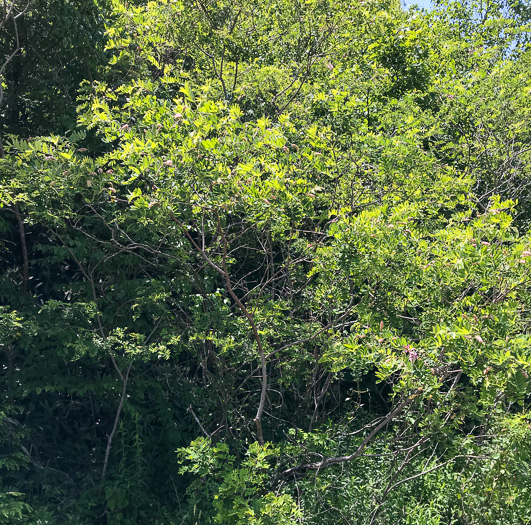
(423, 4)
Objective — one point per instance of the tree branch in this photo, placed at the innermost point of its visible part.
(116, 420)
(225, 274)
(343, 459)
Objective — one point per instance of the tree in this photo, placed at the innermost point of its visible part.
(293, 255)
(48, 49)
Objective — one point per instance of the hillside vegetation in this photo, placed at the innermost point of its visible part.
(265, 262)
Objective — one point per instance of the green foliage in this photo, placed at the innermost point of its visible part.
(278, 270)
(61, 43)
(236, 489)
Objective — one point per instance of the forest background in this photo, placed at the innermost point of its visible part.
(265, 262)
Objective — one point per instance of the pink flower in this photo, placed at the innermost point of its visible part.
(167, 163)
(412, 353)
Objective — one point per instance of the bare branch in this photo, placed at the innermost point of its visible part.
(343, 459)
(116, 419)
(191, 410)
